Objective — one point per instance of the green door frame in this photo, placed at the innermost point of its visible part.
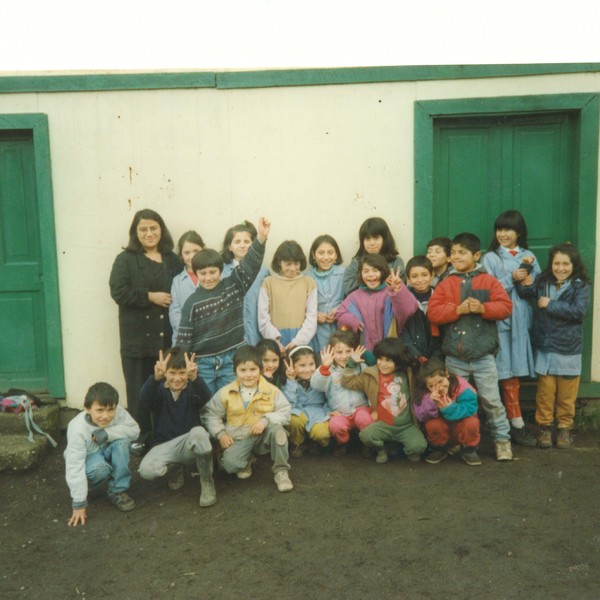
(588, 107)
(38, 125)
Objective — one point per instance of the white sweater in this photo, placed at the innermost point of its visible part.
(80, 445)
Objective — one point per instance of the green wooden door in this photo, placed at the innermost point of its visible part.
(23, 354)
(486, 165)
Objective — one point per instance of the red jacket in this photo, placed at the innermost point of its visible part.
(471, 336)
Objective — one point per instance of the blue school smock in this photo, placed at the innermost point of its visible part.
(515, 355)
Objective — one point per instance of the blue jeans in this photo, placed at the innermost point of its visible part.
(110, 462)
(216, 370)
(485, 376)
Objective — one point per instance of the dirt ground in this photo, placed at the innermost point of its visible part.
(350, 529)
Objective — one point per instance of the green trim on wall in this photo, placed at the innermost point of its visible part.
(277, 77)
(588, 106)
(106, 83)
(38, 124)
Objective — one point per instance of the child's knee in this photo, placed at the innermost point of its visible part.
(151, 469)
(199, 440)
(99, 473)
(231, 460)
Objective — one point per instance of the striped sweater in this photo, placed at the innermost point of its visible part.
(212, 321)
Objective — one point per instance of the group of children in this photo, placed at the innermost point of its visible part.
(293, 361)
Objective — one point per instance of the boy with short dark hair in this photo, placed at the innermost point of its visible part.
(416, 333)
(169, 414)
(467, 304)
(212, 319)
(98, 445)
(438, 252)
(248, 416)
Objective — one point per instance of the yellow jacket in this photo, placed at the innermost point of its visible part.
(225, 412)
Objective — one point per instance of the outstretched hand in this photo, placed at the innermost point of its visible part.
(264, 226)
(327, 357)
(357, 354)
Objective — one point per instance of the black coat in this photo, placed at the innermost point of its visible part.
(144, 327)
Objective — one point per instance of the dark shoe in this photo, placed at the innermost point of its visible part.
(122, 501)
(470, 456)
(522, 437)
(297, 451)
(436, 456)
(367, 452)
(544, 437)
(563, 439)
(340, 449)
(315, 449)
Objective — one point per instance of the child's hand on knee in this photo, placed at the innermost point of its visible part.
(258, 427)
(225, 441)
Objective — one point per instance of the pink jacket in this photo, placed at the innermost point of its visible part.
(381, 313)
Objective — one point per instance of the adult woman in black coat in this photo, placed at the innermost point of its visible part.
(140, 283)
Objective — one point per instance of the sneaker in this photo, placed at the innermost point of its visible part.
(522, 437)
(297, 451)
(382, 457)
(470, 456)
(367, 452)
(544, 437)
(436, 456)
(176, 480)
(503, 450)
(122, 501)
(283, 481)
(315, 449)
(340, 449)
(247, 470)
(563, 439)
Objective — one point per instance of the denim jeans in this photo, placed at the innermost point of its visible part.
(485, 376)
(110, 462)
(216, 370)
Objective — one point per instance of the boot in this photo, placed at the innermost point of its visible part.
(208, 494)
(544, 438)
(563, 438)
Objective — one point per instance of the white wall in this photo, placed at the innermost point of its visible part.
(316, 159)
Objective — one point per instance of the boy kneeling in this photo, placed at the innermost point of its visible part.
(169, 413)
(249, 415)
(98, 444)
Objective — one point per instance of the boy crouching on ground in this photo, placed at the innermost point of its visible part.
(249, 415)
(98, 444)
(169, 413)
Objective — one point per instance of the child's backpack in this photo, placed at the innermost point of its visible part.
(17, 401)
